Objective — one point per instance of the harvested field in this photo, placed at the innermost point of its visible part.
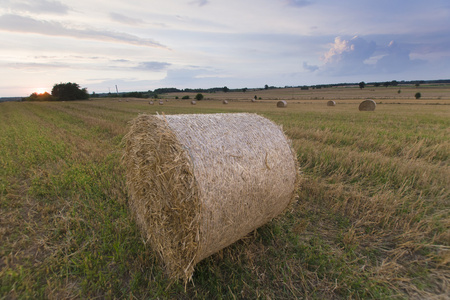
(372, 220)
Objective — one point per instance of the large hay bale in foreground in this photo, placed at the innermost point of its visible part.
(331, 103)
(367, 105)
(282, 103)
(198, 183)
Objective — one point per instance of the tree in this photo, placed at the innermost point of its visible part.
(40, 97)
(362, 85)
(198, 97)
(418, 95)
(69, 91)
(266, 87)
(225, 89)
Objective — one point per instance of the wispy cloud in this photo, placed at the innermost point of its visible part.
(36, 67)
(15, 23)
(125, 20)
(199, 2)
(36, 6)
(298, 3)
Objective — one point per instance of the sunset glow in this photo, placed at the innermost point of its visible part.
(40, 91)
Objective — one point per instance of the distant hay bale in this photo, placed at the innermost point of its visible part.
(225, 102)
(282, 103)
(253, 100)
(331, 103)
(367, 105)
(150, 102)
(161, 102)
(198, 183)
(193, 102)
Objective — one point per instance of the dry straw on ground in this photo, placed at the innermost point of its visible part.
(282, 103)
(331, 103)
(367, 105)
(198, 183)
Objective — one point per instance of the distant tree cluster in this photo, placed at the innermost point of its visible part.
(135, 95)
(40, 97)
(69, 91)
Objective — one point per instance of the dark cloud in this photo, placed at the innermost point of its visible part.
(15, 23)
(351, 57)
(36, 6)
(125, 20)
(396, 60)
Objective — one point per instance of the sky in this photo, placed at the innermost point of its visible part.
(142, 45)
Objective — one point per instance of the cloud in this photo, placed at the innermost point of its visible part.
(298, 3)
(310, 68)
(15, 23)
(153, 66)
(396, 60)
(200, 2)
(125, 20)
(347, 57)
(358, 56)
(36, 67)
(357, 50)
(36, 6)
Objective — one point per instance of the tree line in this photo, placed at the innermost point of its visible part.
(61, 92)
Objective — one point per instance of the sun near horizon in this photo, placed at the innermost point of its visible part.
(41, 91)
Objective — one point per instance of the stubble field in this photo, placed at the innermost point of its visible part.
(372, 220)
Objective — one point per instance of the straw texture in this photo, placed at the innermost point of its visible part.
(367, 105)
(331, 103)
(198, 183)
(282, 103)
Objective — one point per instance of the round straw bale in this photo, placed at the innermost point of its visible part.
(193, 102)
(331, 103)
(282, 103)
(150, 102)
(225, 102)
(161, 102)
(198, 183)
(367, 105)
(253, 100)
